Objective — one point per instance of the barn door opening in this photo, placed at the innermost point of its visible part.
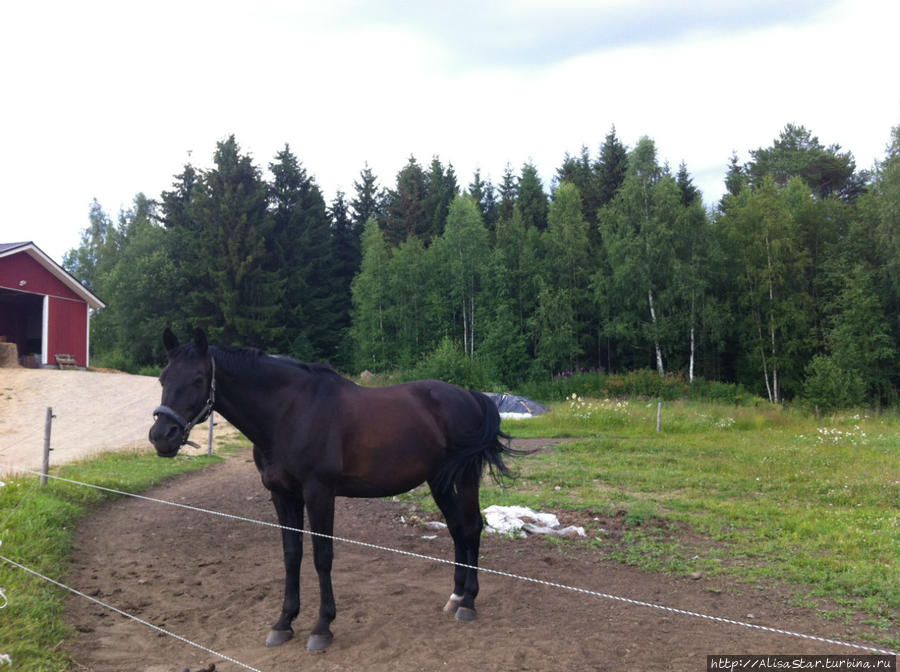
(21, 322)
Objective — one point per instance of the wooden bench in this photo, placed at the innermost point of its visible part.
(66, 362)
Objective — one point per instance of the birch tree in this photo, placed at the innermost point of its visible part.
(770, 263)
(463, 253)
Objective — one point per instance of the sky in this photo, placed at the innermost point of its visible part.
(105, 100)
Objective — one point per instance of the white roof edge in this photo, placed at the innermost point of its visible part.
(58, 271)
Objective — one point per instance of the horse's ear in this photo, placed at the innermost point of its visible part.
(170, 340)
(200, 341)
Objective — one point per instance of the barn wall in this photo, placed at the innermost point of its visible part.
(67, 330)
(18, 267)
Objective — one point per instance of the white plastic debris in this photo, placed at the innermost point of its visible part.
(519, 521)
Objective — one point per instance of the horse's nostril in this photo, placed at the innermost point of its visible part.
(172, 433)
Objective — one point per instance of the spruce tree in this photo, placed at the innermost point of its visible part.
(531, 200)
(689, 193)
(367, 202)
(440, 190)
(610, 168)
(235, 294)
(405, 212)
(302, 235)
(508, 193)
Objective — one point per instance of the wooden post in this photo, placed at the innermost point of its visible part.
(212, 418)
(658, 416)
(45, 469)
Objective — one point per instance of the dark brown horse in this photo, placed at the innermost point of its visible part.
(317, 435)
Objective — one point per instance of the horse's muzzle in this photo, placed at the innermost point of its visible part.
(165, 437)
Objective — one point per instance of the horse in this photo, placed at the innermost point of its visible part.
(317, 435)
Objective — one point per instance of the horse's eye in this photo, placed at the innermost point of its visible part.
(198, 382)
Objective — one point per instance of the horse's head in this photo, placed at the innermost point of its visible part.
(188, 395)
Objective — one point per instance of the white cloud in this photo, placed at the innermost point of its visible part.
(106, 99)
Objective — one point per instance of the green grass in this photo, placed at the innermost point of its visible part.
(36, 524)
(771, 496)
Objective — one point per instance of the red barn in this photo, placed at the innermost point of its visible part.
(43, 310)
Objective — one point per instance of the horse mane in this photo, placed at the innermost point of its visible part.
(248, 360)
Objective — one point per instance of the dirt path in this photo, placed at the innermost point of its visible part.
(218, 582)
(94, 411)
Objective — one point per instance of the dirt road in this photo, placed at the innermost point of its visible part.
(94, 412)
(218, 582)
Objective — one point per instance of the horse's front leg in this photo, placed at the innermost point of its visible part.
(289, 508)
(320, 506)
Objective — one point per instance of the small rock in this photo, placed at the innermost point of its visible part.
(696, 575)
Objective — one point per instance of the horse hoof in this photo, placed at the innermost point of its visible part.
(319, 642)
(278, 637)
(465, 614)
(452, 604)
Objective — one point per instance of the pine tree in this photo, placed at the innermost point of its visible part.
(798, 153)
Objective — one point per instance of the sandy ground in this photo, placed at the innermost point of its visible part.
(94, 411)
(218, 582)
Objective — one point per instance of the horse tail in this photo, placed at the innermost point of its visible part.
(469, 454)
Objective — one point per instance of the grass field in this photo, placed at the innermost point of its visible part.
(772, 493)
(754, 493)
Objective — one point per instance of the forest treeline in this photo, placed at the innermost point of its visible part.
(788, 286)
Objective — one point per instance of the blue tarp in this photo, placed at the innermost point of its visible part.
(512, 403)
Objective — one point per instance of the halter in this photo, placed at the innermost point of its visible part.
(204, 413)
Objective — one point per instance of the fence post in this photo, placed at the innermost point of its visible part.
(212, 419)
(45, 468)
(658, 416)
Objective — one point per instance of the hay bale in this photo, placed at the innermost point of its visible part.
(9, 355)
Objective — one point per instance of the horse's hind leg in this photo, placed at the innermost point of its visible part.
(463, 515)
(290, 514)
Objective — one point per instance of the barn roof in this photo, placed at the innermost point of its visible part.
(36, 253)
